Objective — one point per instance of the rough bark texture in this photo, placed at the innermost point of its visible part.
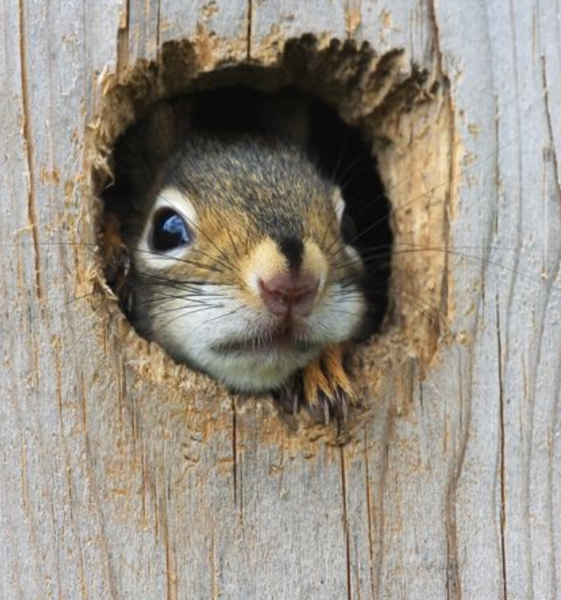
(124, 476)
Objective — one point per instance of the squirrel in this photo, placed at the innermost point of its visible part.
(236, 258)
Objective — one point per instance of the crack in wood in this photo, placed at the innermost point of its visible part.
(346, 523)
(502, 467)
(454, 587)
(123, 42)
(369, 511)
(171, 570)
(453, 581)
(29, 148)
(249, 27)
(158, 25)
(238, 494)
(438, 56)
(552, 152)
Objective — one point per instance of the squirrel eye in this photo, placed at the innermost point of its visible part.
(348, 228)
(169, 231)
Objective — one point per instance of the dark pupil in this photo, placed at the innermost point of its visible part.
(170, 231)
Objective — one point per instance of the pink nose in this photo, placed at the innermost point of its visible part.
(286, 292)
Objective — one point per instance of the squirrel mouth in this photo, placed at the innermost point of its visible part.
(279, 342)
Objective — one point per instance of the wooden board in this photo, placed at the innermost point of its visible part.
(124, 476)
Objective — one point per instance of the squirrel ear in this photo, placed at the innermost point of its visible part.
(344, 220)
(338, 204)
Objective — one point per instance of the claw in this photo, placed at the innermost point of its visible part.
(324, 387)
(328, 390)
(289, 397)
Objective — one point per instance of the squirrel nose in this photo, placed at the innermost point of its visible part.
(286, 292)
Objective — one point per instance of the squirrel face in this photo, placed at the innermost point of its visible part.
(239, 266)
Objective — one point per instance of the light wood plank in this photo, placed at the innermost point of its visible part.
(124, 476)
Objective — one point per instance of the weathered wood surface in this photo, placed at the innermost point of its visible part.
(115, 484)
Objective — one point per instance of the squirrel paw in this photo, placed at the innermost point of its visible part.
(324, 387)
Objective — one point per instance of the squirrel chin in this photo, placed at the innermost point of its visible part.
(257, 373)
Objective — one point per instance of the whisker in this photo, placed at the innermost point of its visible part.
(184, 311)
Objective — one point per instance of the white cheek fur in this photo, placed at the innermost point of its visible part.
(189, 328)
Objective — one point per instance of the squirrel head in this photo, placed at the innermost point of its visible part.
(239, 266)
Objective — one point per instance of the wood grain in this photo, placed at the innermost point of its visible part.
(125, 476)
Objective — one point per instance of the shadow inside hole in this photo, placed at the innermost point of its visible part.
(342, 155)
